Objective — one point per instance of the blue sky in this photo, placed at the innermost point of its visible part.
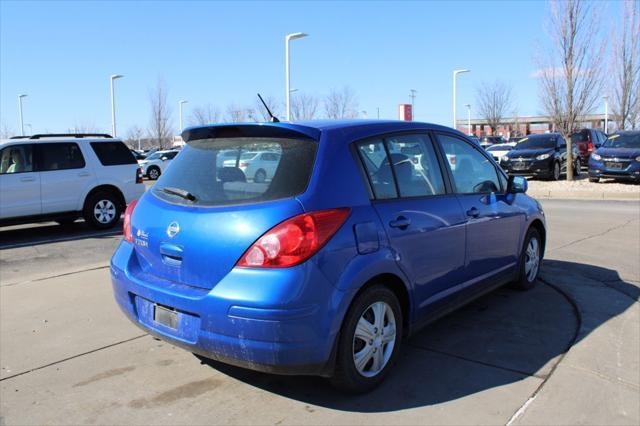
(62, 53)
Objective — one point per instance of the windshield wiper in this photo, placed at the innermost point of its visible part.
(180, 193)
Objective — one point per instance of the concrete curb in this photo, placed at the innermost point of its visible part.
(585, 195)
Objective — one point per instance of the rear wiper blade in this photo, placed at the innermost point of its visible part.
(179, 192)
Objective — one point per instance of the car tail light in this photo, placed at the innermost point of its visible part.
(128, 235)
(590, 147)
(294, 240)
(139, 175)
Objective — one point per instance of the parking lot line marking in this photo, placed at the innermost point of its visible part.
(72, 357)
(61, 239)
(95, 268)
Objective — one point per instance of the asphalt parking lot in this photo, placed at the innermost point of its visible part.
(567, 352)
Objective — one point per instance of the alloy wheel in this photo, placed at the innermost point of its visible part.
(532, 259)
(374, 339)
(104, 211)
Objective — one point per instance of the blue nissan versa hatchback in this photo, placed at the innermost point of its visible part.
(365, 231)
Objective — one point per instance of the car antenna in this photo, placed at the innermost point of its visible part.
(274, 119)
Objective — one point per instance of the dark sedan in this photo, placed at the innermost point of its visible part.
(618, 158)
(543, 156)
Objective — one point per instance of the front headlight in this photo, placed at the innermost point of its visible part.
(638, 158)
(596, 156)
(543, 156)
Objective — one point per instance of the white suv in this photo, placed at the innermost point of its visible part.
(64, 177)
(153, 166)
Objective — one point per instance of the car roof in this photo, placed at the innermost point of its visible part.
(627, 132)
(346, 129)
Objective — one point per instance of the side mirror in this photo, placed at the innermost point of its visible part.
(517, 185)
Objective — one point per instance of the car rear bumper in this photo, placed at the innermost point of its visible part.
(238, 321)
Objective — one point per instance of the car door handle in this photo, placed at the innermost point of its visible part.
(27, 179)
(473, 212)
(400, 222)
(83, 174)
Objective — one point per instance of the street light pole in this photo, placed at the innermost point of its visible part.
(468, 119)
(606, 113)
(113, 105)
(287, 70)
(20, 113)
(455, 75)
(413, 98)
(180, 108)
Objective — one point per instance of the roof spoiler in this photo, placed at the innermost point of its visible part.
(249, 131)
(70, 135)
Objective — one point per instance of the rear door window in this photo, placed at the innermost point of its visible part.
(113, 153)
(218, 172)
(60, 156)
(416, 165)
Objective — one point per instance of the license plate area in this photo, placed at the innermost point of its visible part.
(520, 165)
(165, 316)
(614, 166)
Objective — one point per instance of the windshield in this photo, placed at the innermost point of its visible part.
(198, 177)
(537, 142)
(154, 156)
(622, 140)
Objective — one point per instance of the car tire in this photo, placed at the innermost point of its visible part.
(153, 173)
(102, 210)
(577, 169)
(530, 263)
(372, 312)
(555, 172)
(594, 179)
(260, 176)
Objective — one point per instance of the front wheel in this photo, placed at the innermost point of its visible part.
(369, 340)
(102, 210)
(530, 261)
(578, 168)
(153, 173)
(556, 171)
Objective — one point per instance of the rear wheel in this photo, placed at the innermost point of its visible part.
(369, 340)
(555, 175)
(530, 261)
(260, 176)
(102, 210)
(153, 173)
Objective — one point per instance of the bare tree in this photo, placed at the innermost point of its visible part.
(205, 115)
(303, 107)
(134, 137)
(237, 114)
(6, 132)
(160, 127)
(571, 78)
(261, 114)
(494, 101)
(626, 68)
(341, 104)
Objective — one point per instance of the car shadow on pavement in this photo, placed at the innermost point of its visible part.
(502, 338)
(46, 233)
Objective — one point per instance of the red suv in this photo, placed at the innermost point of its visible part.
(587, 141)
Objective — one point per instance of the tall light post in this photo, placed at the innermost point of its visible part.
(180, 108)
(606, 113)
(113, 105)
(468, 119)
(455, 75)
(287, 71)
(20, 113)
(413, 98)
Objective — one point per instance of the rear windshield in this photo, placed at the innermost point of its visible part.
(582, 136)
(198, 176)
(113, 153)
(622, 140)
(538, 142)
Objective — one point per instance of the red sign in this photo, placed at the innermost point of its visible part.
(404, 112)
